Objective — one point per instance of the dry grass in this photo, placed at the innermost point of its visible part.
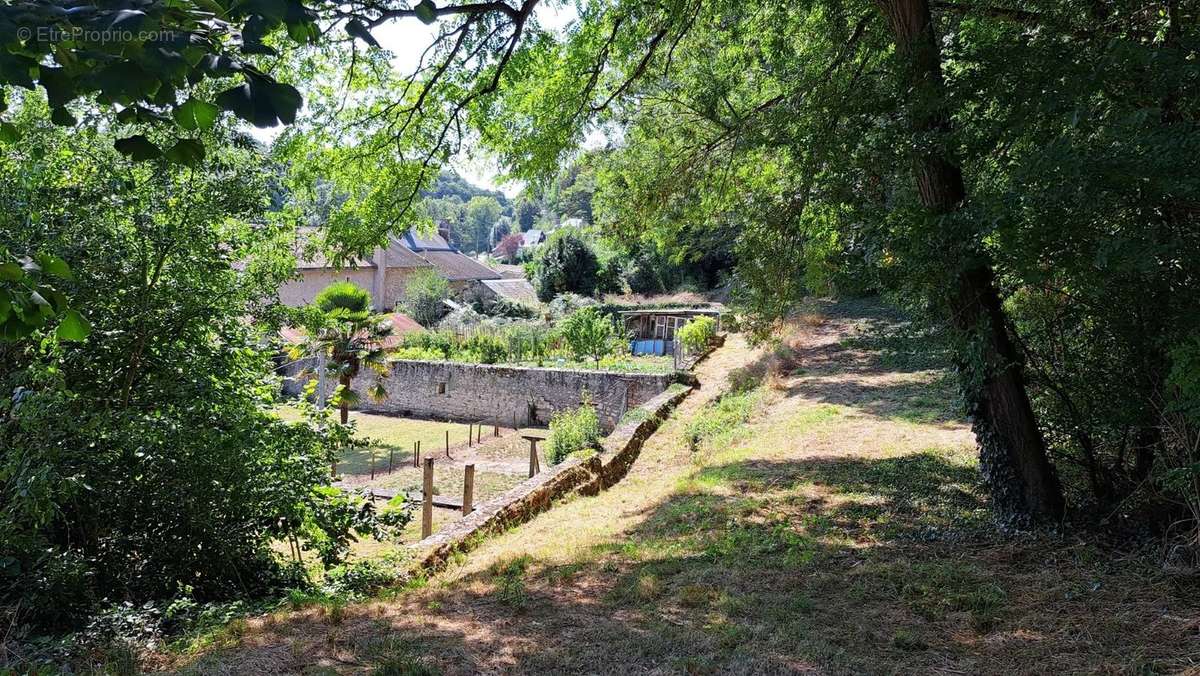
(836, 528)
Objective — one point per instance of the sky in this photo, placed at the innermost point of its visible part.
(406, 39)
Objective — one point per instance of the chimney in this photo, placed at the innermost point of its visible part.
(444, 232)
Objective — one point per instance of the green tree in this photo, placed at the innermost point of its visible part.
(526, 212)
(425, 296)
(144, 460)
(565, 264)
(587, 334)
(482, 214)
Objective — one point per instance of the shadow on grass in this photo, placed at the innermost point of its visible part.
(920, 491)
(762, 568)
(890, 367)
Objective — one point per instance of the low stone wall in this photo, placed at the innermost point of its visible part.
(505, 395)
(536, 494)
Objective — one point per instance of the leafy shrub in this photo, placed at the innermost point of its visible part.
(417, 354)
(143, 459)
(587, 334)
(503, 307)
(566, 304)
(424, 295)
(443, 343)
(486, 348)
(697, 334)
(361, 578)
(573, 431)
(528, 342)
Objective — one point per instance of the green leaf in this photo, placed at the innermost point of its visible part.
(187, 152)
(426, 11)
(9, 132)
(194, 114)
(304, 33)
(358, 30)
(239, 101)
(60, 89)
(285, 101)
(5, 305)
(11, 272)
(15, 329)
(62, 117)
(73, 326)
(53, 265)
(137, 147)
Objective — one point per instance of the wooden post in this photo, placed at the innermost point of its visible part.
(534, 465)
(448, 443)
(479, 433)
(391, 459)
(416, 455)
(372, 463)
(495, 429)
(427, 506)
(468, 488)
(470, 429)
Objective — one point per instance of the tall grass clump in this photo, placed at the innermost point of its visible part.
(717, 424)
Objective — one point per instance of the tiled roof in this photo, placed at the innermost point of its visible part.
(518, 290)
(400, 256)
(401, 325)
(457, 267)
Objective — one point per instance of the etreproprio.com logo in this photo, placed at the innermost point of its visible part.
(92, 35)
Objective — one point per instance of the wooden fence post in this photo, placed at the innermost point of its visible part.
(391, 458)
(448, 443)
(468, 488)
(427, 506)
(372, 463)
(470, 429)
(416, 455)
(535, 465)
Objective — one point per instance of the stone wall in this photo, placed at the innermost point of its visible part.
(505, 395)
(535, 495)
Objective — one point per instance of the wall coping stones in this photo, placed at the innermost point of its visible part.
(512, 367)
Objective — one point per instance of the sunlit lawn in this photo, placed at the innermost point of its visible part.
(395, 436)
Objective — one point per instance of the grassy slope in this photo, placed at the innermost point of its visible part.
(829, 522)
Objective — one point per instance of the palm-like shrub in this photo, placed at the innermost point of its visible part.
(344, 330)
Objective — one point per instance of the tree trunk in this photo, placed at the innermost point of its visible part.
(344, 404)
(344, 410)
(1023, 486)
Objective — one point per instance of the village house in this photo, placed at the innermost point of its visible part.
(387, 272)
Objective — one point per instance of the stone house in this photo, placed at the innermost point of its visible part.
(387, 272)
